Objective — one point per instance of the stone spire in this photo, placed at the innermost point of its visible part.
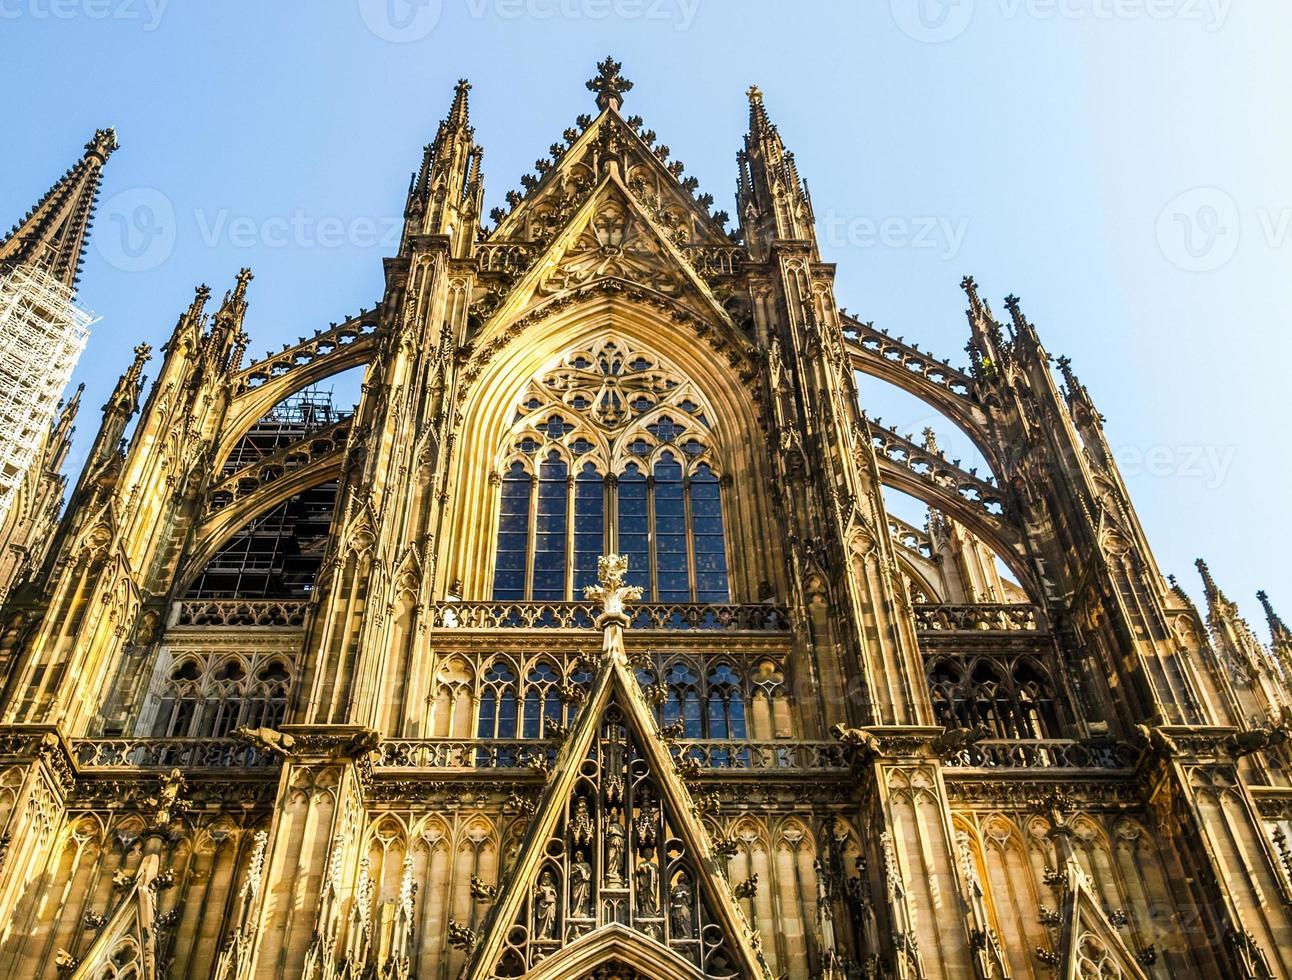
(52, 235)
(987, 342)
(1229, 627)
(1280, 636)
(610, 85)
(446, 192)
(774, 202)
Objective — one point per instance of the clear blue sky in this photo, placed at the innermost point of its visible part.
(1125, 166)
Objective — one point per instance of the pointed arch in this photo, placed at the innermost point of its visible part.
(489, 409)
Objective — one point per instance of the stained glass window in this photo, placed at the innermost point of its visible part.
(611, 409)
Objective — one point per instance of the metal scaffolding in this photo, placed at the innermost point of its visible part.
(42, 334)
(278, 554)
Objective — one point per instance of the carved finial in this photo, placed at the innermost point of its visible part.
(103, 144)
(611, 590)
(930, 439)
(755, 94)
(609, 85)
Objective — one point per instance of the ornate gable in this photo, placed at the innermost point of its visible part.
(615, 858)
(612, 243)
(1091, 947)
(576, 167)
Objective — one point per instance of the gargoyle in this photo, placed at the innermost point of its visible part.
(1245, 743)
(1157, 739)
(955, 740)
(863, 744)
(266, 739)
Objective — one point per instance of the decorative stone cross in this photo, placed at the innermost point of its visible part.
(609, 85)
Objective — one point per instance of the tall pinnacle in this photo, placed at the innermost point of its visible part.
(609, 85)
(445, 195)
(52, 235)
(773, 201)
(1278, 629)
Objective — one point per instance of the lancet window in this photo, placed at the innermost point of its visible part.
(611, 450)
(718, 697)
(1014, 697)
(211, 695)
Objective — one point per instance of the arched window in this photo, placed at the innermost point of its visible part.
(542, 699)
(672, 575)
(513, 534)
(726, 716)
(634, 527)
(589, 526)
(497, 702)
(636, 437)
(1011, 697)
(707, 537)
(683, 701)
(550, 523)
(212, 695)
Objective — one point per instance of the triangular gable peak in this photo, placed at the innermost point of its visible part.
(616, 847)
(1091, 945)
(574, 168)
(611, 242)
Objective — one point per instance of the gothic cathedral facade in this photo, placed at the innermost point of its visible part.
(585, 647)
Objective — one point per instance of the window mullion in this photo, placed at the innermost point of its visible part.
(571, 554)
(652, 539)
(689, 530)
(531, 534)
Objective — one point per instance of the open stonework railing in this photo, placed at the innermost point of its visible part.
(1045, 754)
(354, 333)
(867, 340)
(169, 753)
(237, 613)
(974, 617)
(310, 448)
(758, 617)
(729, 755)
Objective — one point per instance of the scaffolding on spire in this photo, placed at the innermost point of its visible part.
(42, 334)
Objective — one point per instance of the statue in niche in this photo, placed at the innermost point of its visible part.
(647, 820)
(545, 907)
(647, 877)
(680, 915)
(614, 851)
(580, 886)
(582, 824)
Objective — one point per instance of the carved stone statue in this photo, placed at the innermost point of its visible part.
(647, 877)
(580, 886)
(614, 852)
(680, 915)
(545, 907)
(581, 826)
